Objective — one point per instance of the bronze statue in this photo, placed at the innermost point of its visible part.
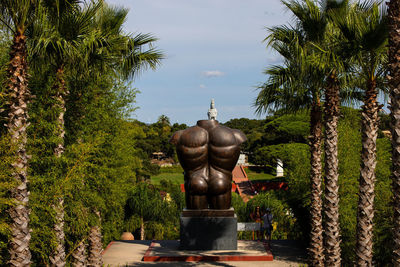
(208, 152)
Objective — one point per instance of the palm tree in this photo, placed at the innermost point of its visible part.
(91, 35)
(163, 120)
(62, 39)
(317, 24)
(364, 35)
(96, 245)
(332, 230)
(124, 55)
(115, 51)
(79, 255)
(297, 85)
(62, 32)
(330, 63)
(394, 84)
(16, 16)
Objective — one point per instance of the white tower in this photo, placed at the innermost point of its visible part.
(212, 112)
(279, 168)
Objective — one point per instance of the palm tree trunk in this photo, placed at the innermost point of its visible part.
(316, 248)
(332, 230)
(394, 83)
(58, 257)
(141, 229)
(79, 255)
(366, 195)
(60, 95)
(17, 124)
(95, 246)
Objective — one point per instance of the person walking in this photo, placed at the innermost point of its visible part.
(267, 224)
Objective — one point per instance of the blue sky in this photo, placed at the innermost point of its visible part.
(213, 49)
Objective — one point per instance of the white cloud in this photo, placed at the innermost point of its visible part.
(275, 59)
(213, 73)
(202, 86)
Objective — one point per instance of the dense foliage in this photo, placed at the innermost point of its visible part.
(98, 169)
(297, 198)
(155, 210)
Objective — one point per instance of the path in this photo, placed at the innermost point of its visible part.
(245, 187)
(130, 253)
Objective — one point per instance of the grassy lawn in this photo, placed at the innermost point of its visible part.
(253, 175)
(173, 174)
(176, 178)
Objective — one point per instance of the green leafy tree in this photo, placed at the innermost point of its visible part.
(145, 202)
(253, 129)
(383, 220)
(7, 181)
(286, 226)
(101, 166)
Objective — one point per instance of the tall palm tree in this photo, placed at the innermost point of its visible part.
(330, 63)
(126, 56)
(58, 39)
(332, 229)
(297, 85)
(312, 21)
(88, 40)
(316, 21)
(17, 16)
(394, 84)
(364, 33)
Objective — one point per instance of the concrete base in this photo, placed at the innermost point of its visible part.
(208, 233)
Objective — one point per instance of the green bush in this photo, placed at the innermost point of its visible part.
(282, 214)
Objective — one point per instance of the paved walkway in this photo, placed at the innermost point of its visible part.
(130, 253)
(247, 250)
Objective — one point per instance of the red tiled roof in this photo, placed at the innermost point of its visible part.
(239, 173)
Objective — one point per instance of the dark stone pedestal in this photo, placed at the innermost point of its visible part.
(208, 233)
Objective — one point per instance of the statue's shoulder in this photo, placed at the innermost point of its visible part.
(192, 136)
(239, 135)
(225, 136)
(175, 137)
